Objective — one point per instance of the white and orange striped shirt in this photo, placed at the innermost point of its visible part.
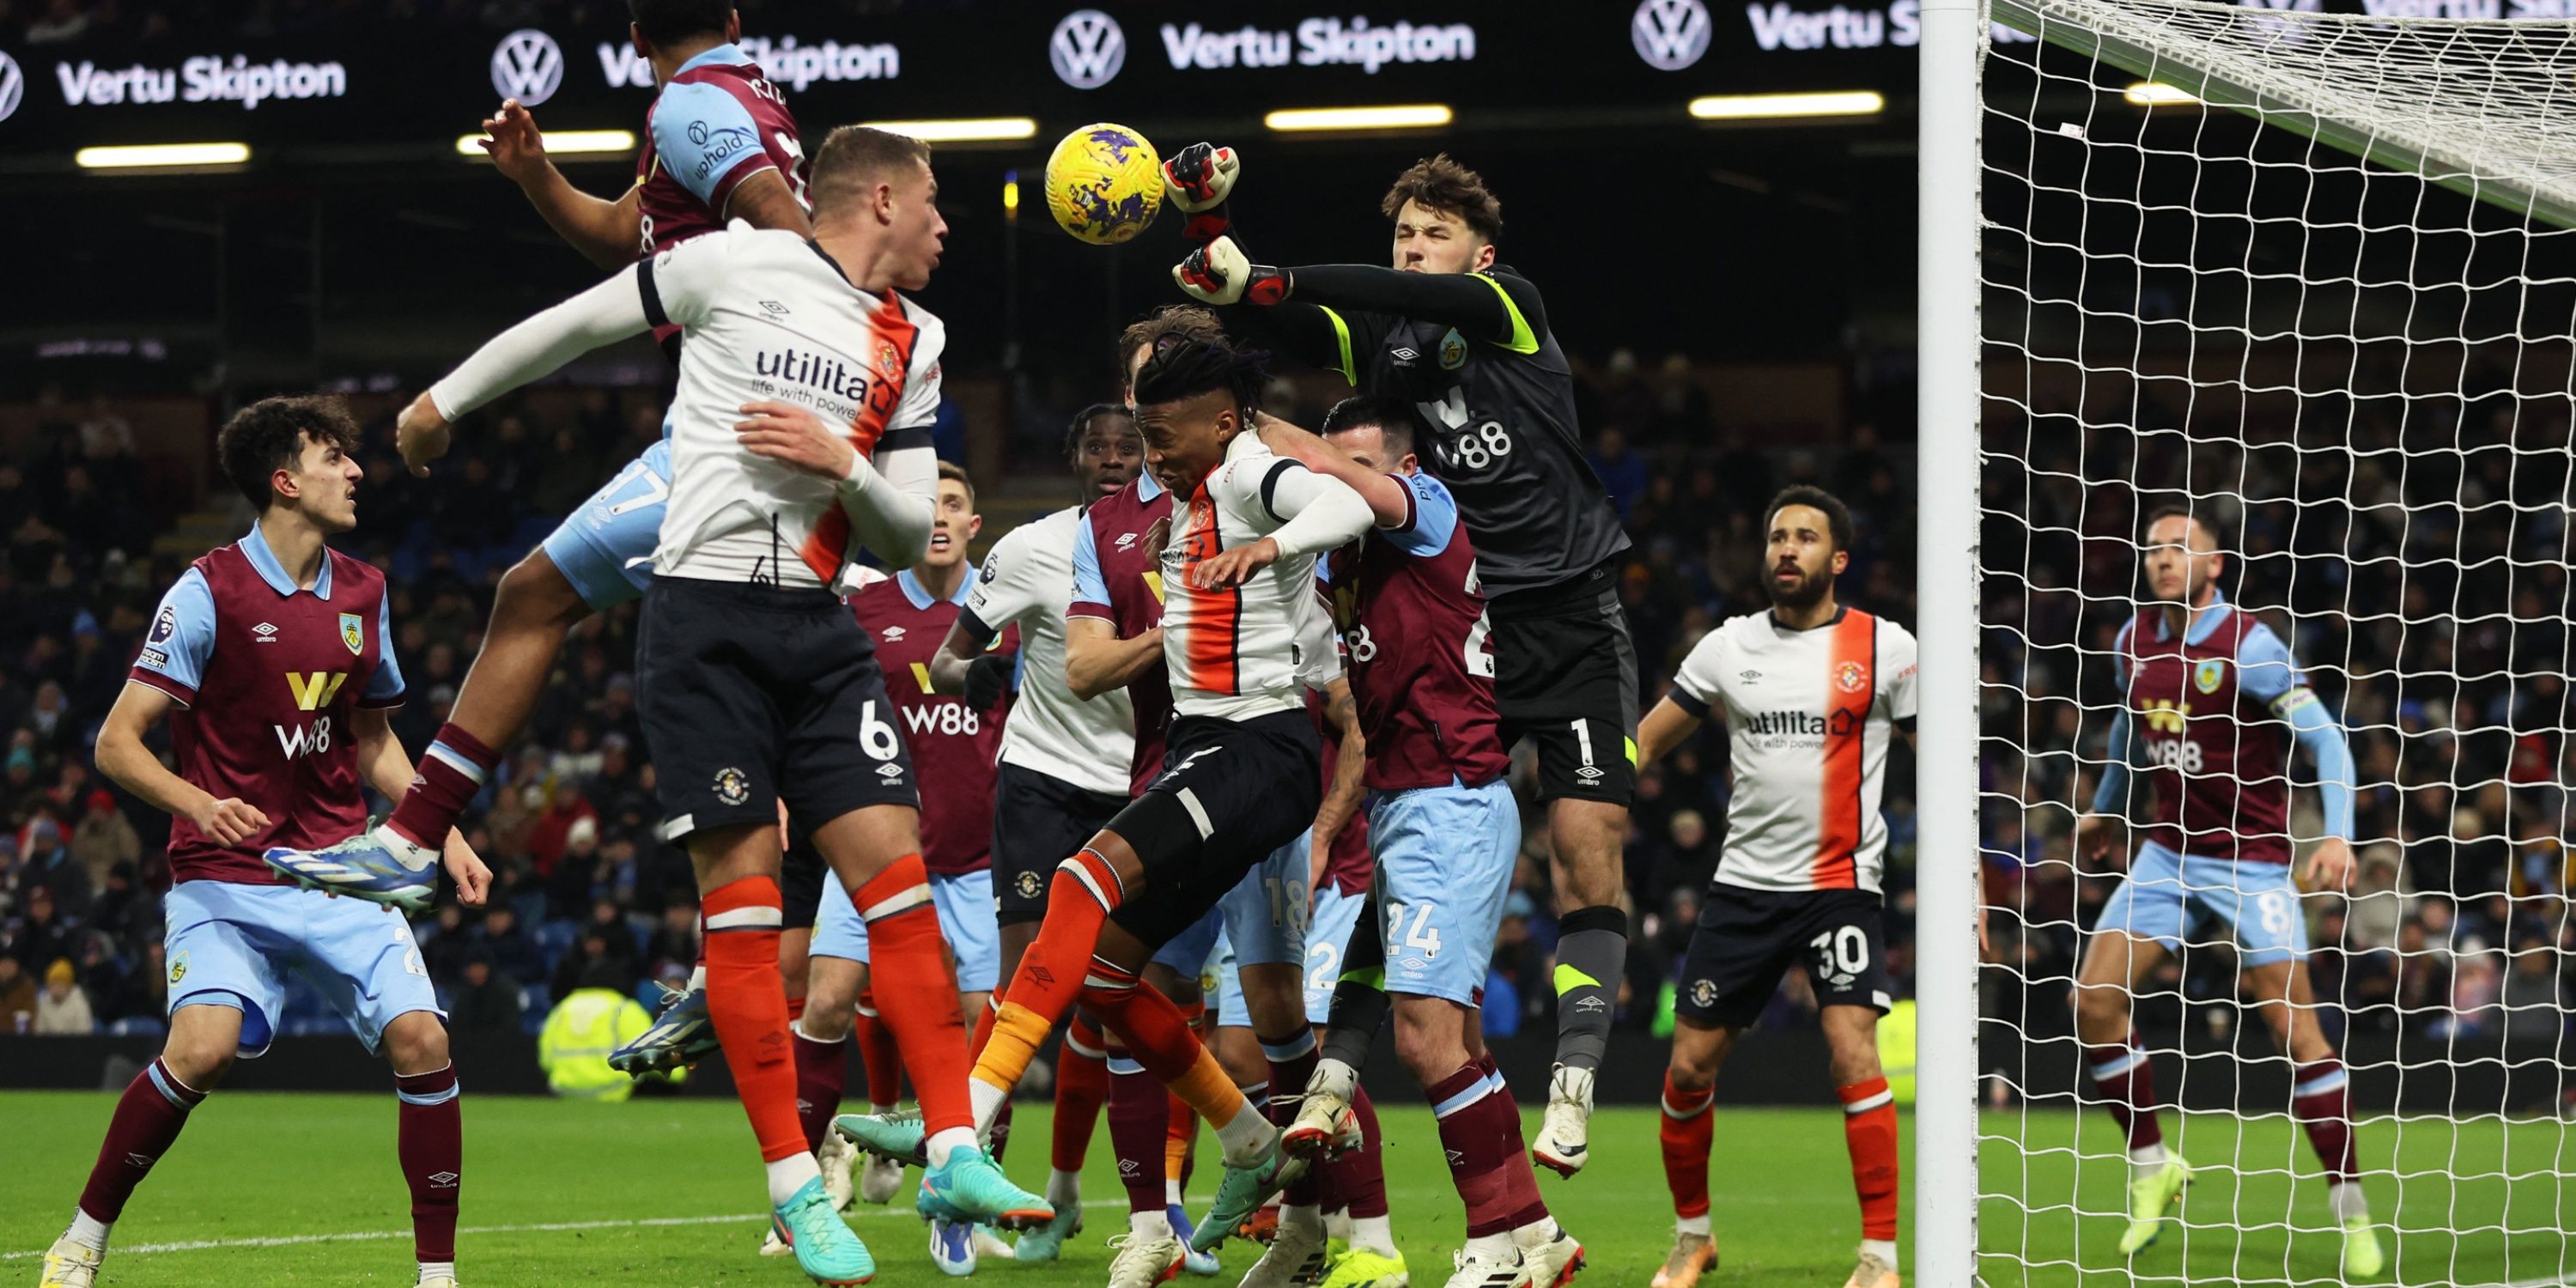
(1249, 650)
(1808, 718)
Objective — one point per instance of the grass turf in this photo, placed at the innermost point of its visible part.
(269, 1166)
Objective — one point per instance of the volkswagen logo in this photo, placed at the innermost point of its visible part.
(1087, 49)
(527, 65)
(13, 86)
(1670, 34)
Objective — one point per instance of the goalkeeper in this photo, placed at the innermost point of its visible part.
(2211, 699)
(1466, 341)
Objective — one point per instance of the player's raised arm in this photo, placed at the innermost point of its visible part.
(1385, 496)
(626, 304)
(1096, 661)
(708, 141)
(1317, 513)
(607, 233)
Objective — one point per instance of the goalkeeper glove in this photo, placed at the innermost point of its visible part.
(1219, 273)
(986, 677)
(1199, 176)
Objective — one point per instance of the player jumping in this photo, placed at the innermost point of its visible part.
(2209, 692)
(273, 660)
(757, 684)
(1443, 826)
(1467, 342)
(1811, 694)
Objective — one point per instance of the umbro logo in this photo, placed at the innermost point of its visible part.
(1591, 1003)
(1129, 1167)
(1403, 355)
(1749, 677)
(893, 633)
(890, 771)
(774, 307)
(266, 631)
(443, 1180)
(1039, 974)
(1590, 774)
(138, 1160)
(1457, 1156)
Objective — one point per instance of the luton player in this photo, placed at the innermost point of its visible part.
(1466, 341)
(953, 745)
(719, 145)
(273, 660)
(1443, 826)
(1811, 694)
(758, 687)
(2210, 695)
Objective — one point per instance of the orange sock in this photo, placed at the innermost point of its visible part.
(1869, 1128)
(877, 1051)
(748, 1003)
(1085, 891)
(1160, 1038)
(904, 944)
(1688, 1129)
(1081, 1085)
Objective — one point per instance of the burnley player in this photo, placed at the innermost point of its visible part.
(953, 745)
(1811, 695)
(1443, 826)
(1466, 341)
(2213, 700)
(758, 686)
(273, 660)
(720, 145)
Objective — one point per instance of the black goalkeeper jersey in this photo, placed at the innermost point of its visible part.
(1503, 436)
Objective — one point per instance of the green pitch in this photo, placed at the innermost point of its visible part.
(284, 1189)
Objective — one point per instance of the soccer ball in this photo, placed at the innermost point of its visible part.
(1104, 183)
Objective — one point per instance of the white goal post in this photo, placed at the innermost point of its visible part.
(2314, 275)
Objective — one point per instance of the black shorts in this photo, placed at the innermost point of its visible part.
(1565, 678)
(800, 882)
(753, 694)
(1039, 820)
(1747, 938)
(1231, 792)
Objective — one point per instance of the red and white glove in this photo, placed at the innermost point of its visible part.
(1220, 273)
(1199, 176)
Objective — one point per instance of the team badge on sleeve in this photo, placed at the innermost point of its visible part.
(2207, 676)
(353, 632)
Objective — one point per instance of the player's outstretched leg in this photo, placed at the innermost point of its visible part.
(2321, 1095)
(193, 1061)
(2124, 948)
(430, 1141)
(1591, 954)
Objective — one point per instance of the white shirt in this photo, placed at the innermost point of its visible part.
(766, 316)
(1249, 650)
(1808, 718)
(1027, 578)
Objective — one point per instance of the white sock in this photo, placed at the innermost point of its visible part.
(875, 1108)
(1333, 1076)
(1883, 1249)
(1064, 1189)
(1171, 1191)
(2348, 1202)
(405, 851)
(698, 978)
(1536, 1233)
(2147, 1158)
(949, 1140)
(988, 1101)
(434, 1269)
(1492, 1248)
(1372, 1233)
(1692, 1225)
(1337, 1224)
(1246, 1136)
(1154, 1224)
(1308, 1216)
(88, 1231)
(789, 1174)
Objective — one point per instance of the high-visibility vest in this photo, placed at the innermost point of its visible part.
(579, 1034)
(1896, 1050)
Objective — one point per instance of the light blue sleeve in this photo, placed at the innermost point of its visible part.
(385, 687)
(1434, 521)
(2318, 731)
(2111, 795)
(1089, 587)
(183, 634)
(705, 137)
(2265, 671)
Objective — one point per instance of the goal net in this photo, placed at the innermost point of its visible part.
(2308, 276)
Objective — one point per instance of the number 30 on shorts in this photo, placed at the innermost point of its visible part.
(1842, 951)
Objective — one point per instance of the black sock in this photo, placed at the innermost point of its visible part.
(1360, 1005)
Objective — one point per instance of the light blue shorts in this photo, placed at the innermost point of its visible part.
(1260, 921)
(232, 945)
(966, 920)
(1444, 865)
(1328, 937)
(606, 548)
(2170, 897)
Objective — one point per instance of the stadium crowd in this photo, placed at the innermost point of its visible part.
(583, 891)
(2424, 591)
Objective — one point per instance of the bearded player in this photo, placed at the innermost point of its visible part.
(1811, 695)
(719, 145)
(1467, 342)
(2211, 692)
(272, 658)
